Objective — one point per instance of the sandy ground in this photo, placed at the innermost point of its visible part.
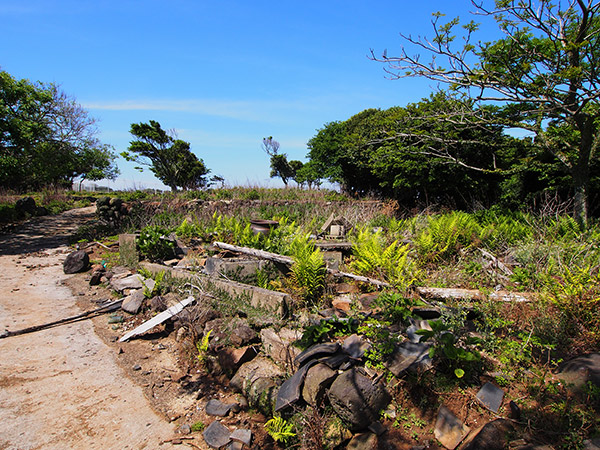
(61, 388)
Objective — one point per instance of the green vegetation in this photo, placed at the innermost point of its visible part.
(280, 430)
(47, 139)
(169, 159)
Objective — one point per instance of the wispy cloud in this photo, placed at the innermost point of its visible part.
(241, 110)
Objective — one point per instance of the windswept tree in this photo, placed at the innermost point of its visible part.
(280, 166)
(47, 138)
(543, 74)
(169, 159)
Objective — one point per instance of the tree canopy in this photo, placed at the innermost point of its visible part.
(543, 74)
(46, 138)
(168, 158)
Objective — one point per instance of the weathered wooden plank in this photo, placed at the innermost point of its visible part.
(289, 261)
(158, 319)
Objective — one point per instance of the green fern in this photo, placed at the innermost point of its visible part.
(308, 271)
(446, 235)
(392, 263)
(280, 429)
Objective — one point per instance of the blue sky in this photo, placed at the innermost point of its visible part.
(223, 74)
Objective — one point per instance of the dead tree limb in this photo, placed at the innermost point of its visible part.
(101, 310)
(289, 261)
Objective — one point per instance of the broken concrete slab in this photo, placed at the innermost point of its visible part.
(240, 267)
(490, 396)
(271, 301)
(216, 435)
(449, 429)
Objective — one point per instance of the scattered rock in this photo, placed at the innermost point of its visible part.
(133, 302)
(76, 262)
(490, 396)
(184, 429)
(260, 367)
(335, 433)
(216, 435)
(291, 390)
(416, 325)
(230, 359)
(449, 430)
(492, 436)
(278, 345)
(312, 352)
(408, 355)
(318, 379)
(363, 441)
(355, 346)
(137, 367)
(377, 428)
(515, 411)
(218, 408)
(134, 281)
(357, 400)
(242, 435)
(342, 303)
(96, 278)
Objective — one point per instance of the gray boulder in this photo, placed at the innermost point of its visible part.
(76, 262)
(357, 400)
(132, 303)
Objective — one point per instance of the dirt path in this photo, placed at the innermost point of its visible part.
(61, 388)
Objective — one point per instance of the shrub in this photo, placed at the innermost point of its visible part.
(154, 244)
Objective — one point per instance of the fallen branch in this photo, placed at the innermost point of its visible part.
(101, 310)
(289, 261)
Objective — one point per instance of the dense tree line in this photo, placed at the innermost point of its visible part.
(46, 138)
(455, 147)
(420, 156)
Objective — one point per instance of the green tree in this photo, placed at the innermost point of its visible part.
(544, 73)
(280, 166)
(168, 158)
(46, 138)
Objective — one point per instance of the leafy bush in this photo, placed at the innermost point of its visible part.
(154, 244)
(453, 351)
(326, 329)
(396, 308)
